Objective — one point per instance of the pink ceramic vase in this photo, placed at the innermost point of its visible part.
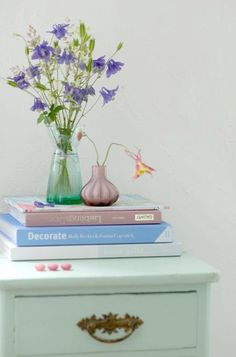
(99, 191)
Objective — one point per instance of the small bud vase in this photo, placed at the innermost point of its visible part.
(64, 183)
(99, 191)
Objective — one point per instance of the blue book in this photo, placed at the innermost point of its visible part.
(84, 235)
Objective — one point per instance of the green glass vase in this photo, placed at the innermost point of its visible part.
(64, 182)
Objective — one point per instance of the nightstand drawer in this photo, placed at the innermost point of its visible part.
(48, 325)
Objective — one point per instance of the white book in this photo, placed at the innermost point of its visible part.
(12, 252)
(33, 204)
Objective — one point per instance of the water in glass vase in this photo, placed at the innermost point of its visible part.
(64, 183)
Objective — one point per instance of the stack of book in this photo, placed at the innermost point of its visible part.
(132, 227)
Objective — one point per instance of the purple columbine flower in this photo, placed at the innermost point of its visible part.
(43, 52)
(20, 81)
(99, 64)
(66, 58)
(33, 71)
(78, 94)
(87, 91)
(108, 94)
(38, 105)
(59, 30)
(74, 93)
(113, 67)
(90, 91)
(67, 88)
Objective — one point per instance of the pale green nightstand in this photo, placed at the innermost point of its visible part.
(40, 311)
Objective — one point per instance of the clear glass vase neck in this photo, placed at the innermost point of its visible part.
(63, 140)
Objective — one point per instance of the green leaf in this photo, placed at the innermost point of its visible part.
(51, 107)
(40, 86)
(58, 108)
(54, 94)
(43, 117)
(75, 42)
(120, 45)
(89, 65)
(27, 51)
(86, 37)
(91, 45)
(12, 83)
(54, 111)
(82, 30)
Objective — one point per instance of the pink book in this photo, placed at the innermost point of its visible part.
(76, 218)
(129, 209)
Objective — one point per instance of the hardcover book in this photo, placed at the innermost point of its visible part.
(12, 252)
(84, 235)
(38, 204)
(80, 218)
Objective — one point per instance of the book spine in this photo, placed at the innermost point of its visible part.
(123, 204)
(90, 252)
(88, 218)
(86, 235)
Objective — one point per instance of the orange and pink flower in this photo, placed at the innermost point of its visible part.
(140, 167)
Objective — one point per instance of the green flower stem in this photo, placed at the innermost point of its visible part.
(108, 151)
(50, 80)
(93, 105)
(83, 114)
(73, 126)
(74, 123)
(26, 46)
(56, 90)
(51, 130)
(63, 181)
(28, 92)
(46, 98)
(95, 147)
(41, 95)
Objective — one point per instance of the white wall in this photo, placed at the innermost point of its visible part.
(177, 101)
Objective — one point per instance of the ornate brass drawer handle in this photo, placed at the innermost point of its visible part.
(110, 323)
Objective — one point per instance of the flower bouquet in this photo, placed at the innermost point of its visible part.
(61, 76)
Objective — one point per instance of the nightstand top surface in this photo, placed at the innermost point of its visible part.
(113, 272)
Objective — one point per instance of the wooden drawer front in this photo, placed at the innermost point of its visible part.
(48, 325)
